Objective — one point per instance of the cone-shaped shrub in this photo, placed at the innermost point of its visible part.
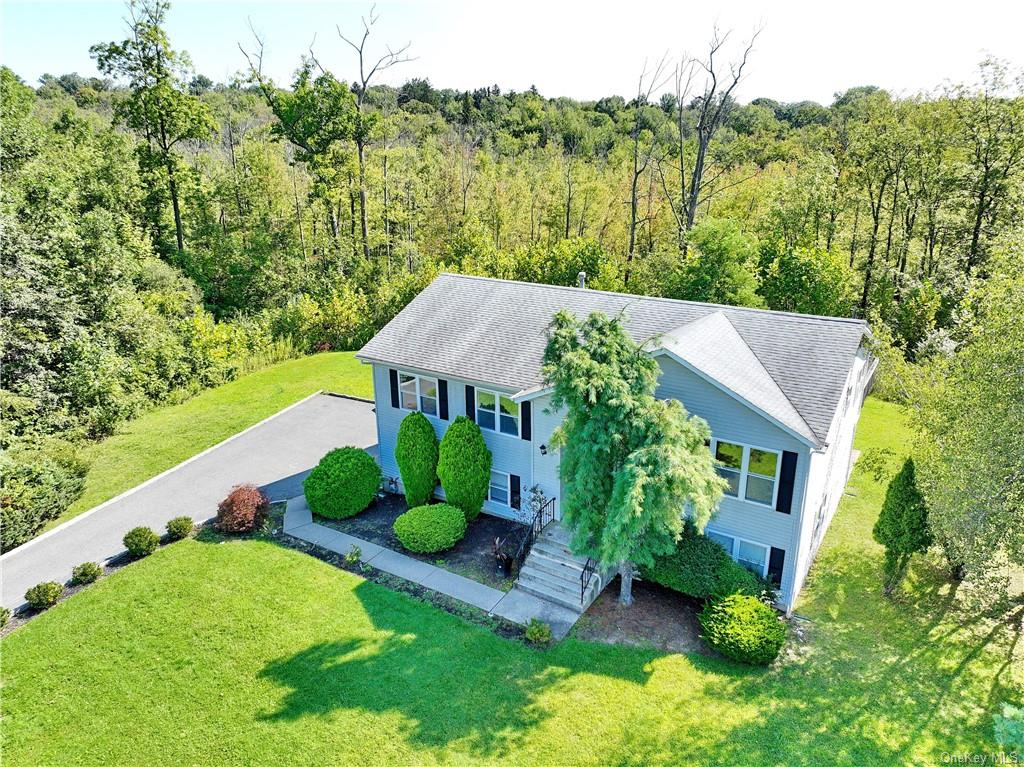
(416, 454)
(464, 466)
(342, 484)
(902, 525)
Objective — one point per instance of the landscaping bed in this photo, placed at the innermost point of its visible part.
(472, 557)
(658, 617)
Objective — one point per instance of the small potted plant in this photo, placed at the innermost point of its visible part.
(502, 558)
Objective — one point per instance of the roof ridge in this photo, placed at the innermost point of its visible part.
(638, 296)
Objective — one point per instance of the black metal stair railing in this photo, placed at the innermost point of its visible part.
(544, 516)
(588, 572)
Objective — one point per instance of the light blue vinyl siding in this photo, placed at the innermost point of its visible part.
(511, 455)
(733, 421)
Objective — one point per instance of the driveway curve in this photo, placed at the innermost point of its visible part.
(276, 454)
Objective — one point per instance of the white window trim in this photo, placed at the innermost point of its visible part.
(419, 394)
(508, 489)
(741, 491)
(497, 412)
(736, 541)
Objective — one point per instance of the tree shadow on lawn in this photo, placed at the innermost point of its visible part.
(451, 682)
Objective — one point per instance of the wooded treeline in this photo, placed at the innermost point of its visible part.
(163, 232)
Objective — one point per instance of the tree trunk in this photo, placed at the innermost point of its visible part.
(172, 185)
(626, 585)
(364, 229)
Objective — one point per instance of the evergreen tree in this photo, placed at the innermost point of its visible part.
(902, 526)
(631, 464)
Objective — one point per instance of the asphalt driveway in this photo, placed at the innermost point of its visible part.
(276, 454)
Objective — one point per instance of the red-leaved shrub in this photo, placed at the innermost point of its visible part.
(243, 510)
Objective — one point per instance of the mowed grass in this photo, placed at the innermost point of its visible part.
(245, 653)
(166, 436)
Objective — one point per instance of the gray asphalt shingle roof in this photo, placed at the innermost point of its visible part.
(494, 331)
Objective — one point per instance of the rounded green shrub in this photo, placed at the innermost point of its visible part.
(416, 454)
(179, 528)
(743, 628)
(87, 572)
(342, 484)
(44, 595)
(538, 632)
(5, 615)
(427, 529)
(141, 541)
(701, 568)
(464, 466)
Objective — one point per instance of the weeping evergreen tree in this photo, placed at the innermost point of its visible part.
(902, 525)
(630, 463)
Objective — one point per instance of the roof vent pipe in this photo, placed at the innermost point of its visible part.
(582, 279)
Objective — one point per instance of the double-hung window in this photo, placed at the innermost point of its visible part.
(418, 393)
(497, 412)
(498, 489)
(752, 556)
(752, 472)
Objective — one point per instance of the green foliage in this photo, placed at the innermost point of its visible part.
(40, 479)
(243, 511)
(699, 567)
(416, 452)
(342, 484)
(141, 541)
(629, 461)
(426, 529)
(1008, 726)
(902, 525)
(807, 280)
(179, 528)
(537, 632)
(743, 628)
(464, 466)
(44, 595)
(5, 616)
(353, 555)
(719, 268)
(87, 572)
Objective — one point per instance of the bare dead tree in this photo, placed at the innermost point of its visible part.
(714, 104)
(367, 71)
(649, 82)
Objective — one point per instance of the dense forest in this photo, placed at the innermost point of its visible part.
(164, 233)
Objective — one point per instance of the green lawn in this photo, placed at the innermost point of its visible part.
(167, 436)
(246, 653)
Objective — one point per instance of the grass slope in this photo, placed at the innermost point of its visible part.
(245, 653)
(166, 436)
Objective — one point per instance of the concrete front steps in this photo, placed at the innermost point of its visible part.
(552, 572)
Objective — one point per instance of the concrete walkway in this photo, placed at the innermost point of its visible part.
(276, 454)
(515, 605)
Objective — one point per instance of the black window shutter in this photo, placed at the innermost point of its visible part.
(442, 398)
(776, 561)
(787, 478)
(515, 490)
(393, 375)
(526, 419)
(470, 403)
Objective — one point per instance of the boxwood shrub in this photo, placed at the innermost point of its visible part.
(179, 528)
(743, 628)
(44, 595)
(701, 568)
(464, 466)
(141, 541)
(5, 615)
(342, 484)
(416, 454)
(427, 529)
(87, 572)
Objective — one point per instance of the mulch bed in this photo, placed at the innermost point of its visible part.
(658, 617)
(472, 557)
